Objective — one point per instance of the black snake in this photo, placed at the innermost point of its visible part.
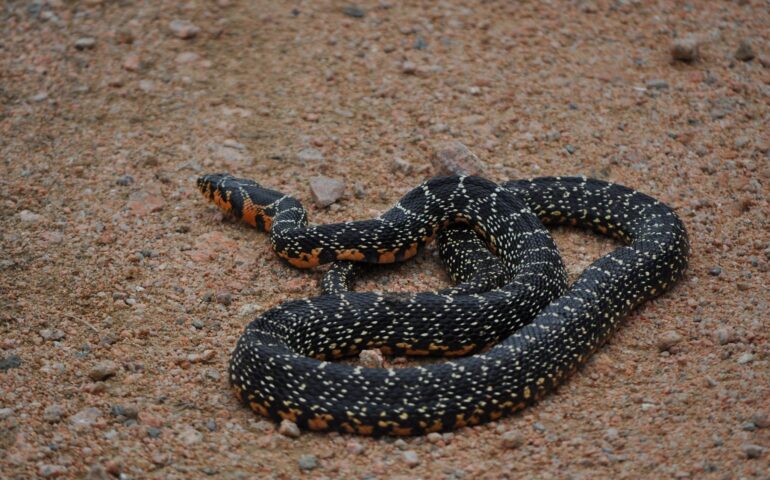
(541, 331)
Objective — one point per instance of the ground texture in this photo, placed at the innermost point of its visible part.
(122, 292)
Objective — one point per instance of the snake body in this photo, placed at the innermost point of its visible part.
(541, 331)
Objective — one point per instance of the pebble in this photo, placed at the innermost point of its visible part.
(371, 359)
(97, 472)
(454, 158)
(354, 447)
(657, 84)
(761, 420)
(248, 309)
(224, 298)
(715, 271)
(668, 339)
(153, 432)
(85, 43)
(124, 180)
(358, 190)
(745, 358)
(131, 62)
(353, 11)
(725, 335)
(53, 413)
(52, 334)
(512, 439)
(190, 436)
(30, 217)
(570, 148)
(410, 458)
(409, 68)
(51, 471)
(307, 462)
(38, 97)
(325, 190)
(400, 444)
(5, 413)
(7, 363)
(183, 29)
(745, 51)
(402, 166)
(309, 155)
(85, 418)
(103, 370)
(752, 451)
(435, 437)
(685, 49)
(186, 57)
(289, 429)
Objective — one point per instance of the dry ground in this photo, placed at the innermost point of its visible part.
(96, 268)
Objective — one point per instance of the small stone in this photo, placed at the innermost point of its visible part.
(410, 458)
(153, 432)
(611, 434)
(570, 148)
(103, 370)
(402, 166)
(97, 472)
(371, 359)
(144, 202)
(309, 155)
(224, 298)
(512, 439)
(124, 180)
(400, 444)
(715, 271)
(745, 51)
(435, 437)
(657, 84)
(186, 57)
(85, 43)
(358, 190)
(53, 413)
(748, 427)
(198, 323)
(409, 68)
(289, 429)
(183, 29)
(125, 37)
(38, 97)
(248, 309)
(190, 436)
(454, 158)
(745, 358)
(353, 11)
(307, 462)
(131, 62)
(85, 418)
(51, 471)
(725, 335)
(354, 447)
(7, 363)
(742, 141)
(30, 217)
(761, 420)
(685, 49)
(668, 339)
(5, 413)
(52, 334)
(325, 190)
(539, 427)
(752, 451)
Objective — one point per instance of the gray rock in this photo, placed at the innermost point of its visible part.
(715, 271)
(224, 298)
(435, 437)
(307, 462)
(353, 11)
(402, 166)
(153, 432)
(745, 358)
(51, 471)
(7, 363)
(745, 51)
(410, 458)
(409, 68)
(454, 158)
(325, 190)
(124, 180)
(761, 420)
(30, 217)
(512, 439)
(354, 447)
(289, 429)
(103, 370)
(752, 451)
(183, 29)
(53, 413)
(570, 148)
(85, 43)
(52, 334)
(685, 49)
(5, 413)
(85, 418)
(725, 335)
(657, 84)
(668, 340)
(310, 155)
(190, 436)
(370, 359)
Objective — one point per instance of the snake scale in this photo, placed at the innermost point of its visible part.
(515, 305)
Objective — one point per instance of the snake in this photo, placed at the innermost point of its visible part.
(511, 331)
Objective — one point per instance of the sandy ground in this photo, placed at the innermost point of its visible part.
(120, 298)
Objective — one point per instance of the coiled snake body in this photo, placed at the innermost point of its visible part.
(540, 330)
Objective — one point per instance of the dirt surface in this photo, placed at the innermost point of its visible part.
(122, 292)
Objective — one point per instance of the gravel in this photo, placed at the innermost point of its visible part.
(325, 190)
(183, 29)
(307, 462)
(53, 413)
(668, 340)
(410, 458)
(512, 439)
(310, 155)
(103, 370)
(289, 429)
(9, 362)
(685, 49)
(85, 43)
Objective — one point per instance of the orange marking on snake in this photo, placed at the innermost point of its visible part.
(351, 254)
